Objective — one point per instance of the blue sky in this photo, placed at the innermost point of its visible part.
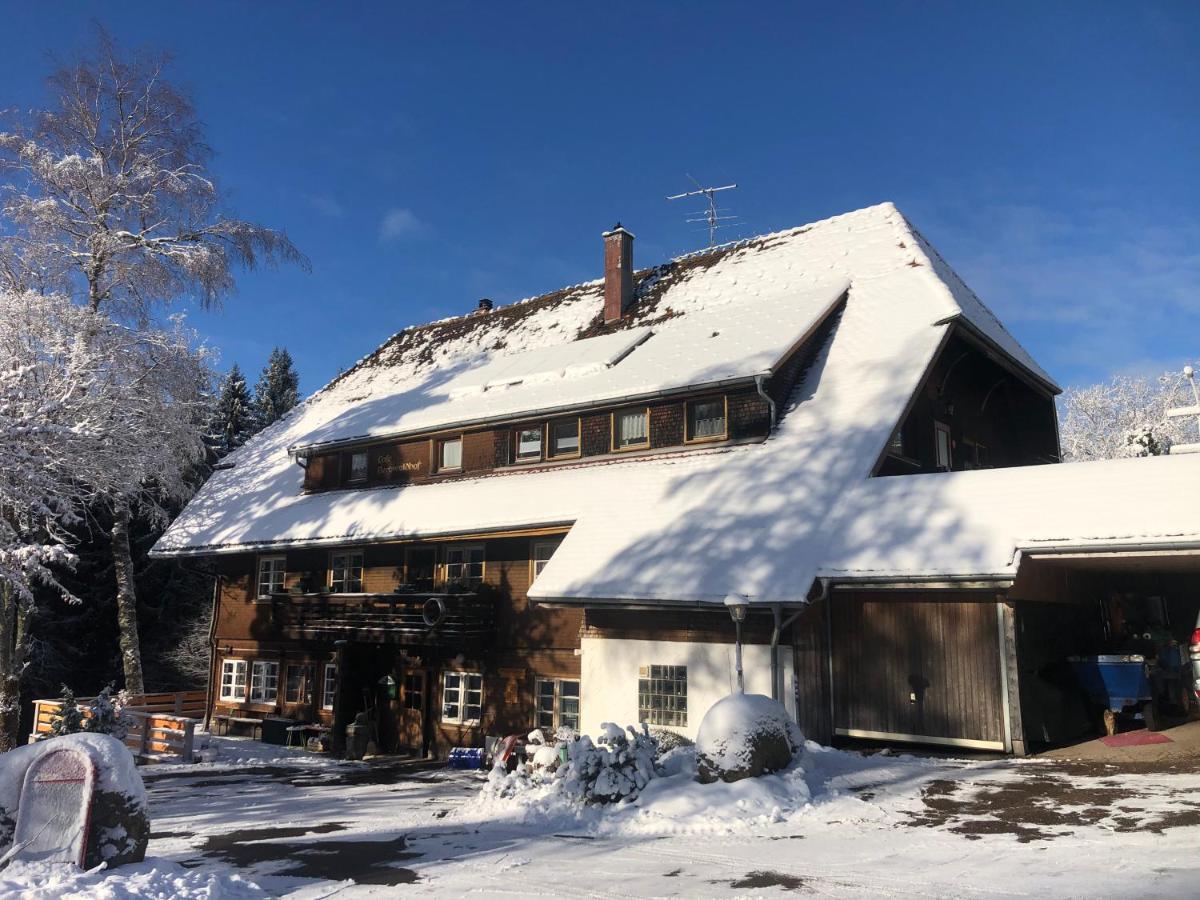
(427, 155)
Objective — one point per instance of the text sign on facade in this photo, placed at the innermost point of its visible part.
(55, 808)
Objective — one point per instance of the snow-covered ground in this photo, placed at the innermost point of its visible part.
(267, 821)
(262, 819)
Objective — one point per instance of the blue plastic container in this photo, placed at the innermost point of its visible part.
(466, 758)
(1114, 682)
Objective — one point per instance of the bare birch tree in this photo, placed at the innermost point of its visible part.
(109, 199)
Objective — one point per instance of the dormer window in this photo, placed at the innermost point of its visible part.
(529, 444)
(707, 420)
(358, 466)
(564, 438)
(449, 455)
(631, 428)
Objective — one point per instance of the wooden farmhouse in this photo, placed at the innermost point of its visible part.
(534, 515)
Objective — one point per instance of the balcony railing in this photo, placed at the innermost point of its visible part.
(417, 619)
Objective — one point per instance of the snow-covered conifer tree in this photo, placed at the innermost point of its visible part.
(233, 415)
(278, 388)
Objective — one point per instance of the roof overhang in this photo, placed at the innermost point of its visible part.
(1000, 356)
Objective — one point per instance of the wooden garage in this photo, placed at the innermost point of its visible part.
(927, 669)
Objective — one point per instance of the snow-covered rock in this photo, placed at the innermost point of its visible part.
(745, 736)
(120, 816)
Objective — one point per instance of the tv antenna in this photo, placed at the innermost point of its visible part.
(712, 216)
(1189, 375)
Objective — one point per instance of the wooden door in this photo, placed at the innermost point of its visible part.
(414, 698)
(923, 671)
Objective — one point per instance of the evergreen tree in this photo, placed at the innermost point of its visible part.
(68, 719)
(278, 388)
(233, 419)
(107, 713)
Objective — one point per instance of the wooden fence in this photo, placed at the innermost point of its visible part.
(162, 727)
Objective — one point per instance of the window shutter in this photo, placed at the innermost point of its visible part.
(314, 473)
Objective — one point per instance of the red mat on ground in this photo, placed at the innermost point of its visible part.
(1136, 739)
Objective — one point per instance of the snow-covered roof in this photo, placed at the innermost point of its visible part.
(691, 526)
(979, 524)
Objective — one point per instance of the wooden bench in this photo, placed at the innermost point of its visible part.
(227, 720)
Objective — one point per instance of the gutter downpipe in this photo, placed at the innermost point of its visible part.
(212, 653)
(759, 381)
(776, 669)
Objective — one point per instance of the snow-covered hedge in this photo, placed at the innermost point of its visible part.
(744, 736)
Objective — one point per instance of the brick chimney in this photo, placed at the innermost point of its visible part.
(618, 272)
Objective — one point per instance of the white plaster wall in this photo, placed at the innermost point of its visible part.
(608, 683)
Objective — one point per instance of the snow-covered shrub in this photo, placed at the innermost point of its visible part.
(744, 736)
(68, 719)
(614, 768)
(107, 714)
(668, 740)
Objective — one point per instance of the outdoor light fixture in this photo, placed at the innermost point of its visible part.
(738, 605)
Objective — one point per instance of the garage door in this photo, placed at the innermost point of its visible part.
(924, 671)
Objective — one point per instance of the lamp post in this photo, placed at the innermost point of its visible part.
(738, 605)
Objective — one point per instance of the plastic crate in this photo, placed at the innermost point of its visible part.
(466, 758)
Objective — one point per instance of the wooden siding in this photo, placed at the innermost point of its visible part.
(924, 667)
(983, 404)
(810, 639)
(413, 460)
(528, 641)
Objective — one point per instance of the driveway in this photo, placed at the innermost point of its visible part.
(876, 826)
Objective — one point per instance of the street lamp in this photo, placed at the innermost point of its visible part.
(738, 605)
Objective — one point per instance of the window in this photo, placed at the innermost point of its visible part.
(414, 691)
(943, 446)
(233, 680)
(542, 551)
(662, 695)
(449, 454)
(329, 687)
(706, 419)
(557, 704)
(270, 575)
(462, 697)
(631, 429)
(299, 684)
(974, 455)
(264, 681)
(346, 573)
(529, 443)
(358, 466)
(464, 564)
(564, 438)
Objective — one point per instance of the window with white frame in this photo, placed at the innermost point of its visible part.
(462, 697)
(299, 688)
(346, 572)
(329, 686)
(529, 443)
(943, 446)
(564, 438)
(662, 695)
(706, 419)
(264, 681)
(233, 680)
(464, 564)
(557, 704)
(542, 551)
(449, 454)
(358, 466)
(631, 428)
(271, 573)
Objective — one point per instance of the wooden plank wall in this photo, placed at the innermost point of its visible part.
(810, 635)
(929, 667)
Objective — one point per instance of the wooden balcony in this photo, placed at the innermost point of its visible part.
(409, 619)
